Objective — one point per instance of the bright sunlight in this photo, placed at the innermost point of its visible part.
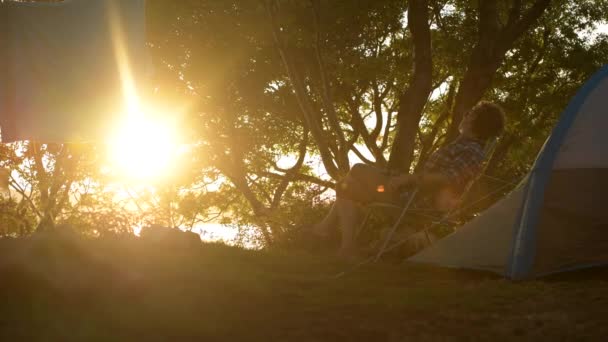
(143, 148)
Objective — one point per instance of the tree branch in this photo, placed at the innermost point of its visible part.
(359, 125)
(488, 25)
(428, 141)
(514, 13)
(377, 106)
(278, 194)
(301, 177)
(387, 129)
(361, 156)
(413, 100)
(41, 173)
(489, 53)
(311, 118)
(28, 199)
(437, 15)
(516, 28)
(341, 157)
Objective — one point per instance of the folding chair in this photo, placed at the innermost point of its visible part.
(489, 149)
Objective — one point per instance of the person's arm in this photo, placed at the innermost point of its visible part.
(459, 170)
(430, 179)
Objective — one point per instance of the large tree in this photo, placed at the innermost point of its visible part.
(385, 82)
(268, 89)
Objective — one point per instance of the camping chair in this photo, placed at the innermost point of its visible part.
(405, 209)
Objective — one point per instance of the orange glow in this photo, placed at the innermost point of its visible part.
(380, 188)
(143, 149)
(129, 88)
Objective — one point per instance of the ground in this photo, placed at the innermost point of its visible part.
(135, 291)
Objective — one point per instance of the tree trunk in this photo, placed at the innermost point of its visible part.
(413, 100)
(492, 45)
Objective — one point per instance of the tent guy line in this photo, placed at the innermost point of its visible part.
(400, 242)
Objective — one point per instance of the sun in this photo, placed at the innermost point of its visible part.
(143, 148)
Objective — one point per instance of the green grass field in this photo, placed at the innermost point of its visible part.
(132, 291)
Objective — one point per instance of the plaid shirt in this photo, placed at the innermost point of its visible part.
(459, 161)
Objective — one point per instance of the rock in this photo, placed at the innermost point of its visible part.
(171, 237)
(64, 260)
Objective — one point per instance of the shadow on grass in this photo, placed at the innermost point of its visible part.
(591, 274)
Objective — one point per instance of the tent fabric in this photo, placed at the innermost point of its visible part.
(586, 144)
(525, 238)
(573, 225)
(61, 79)
(554, 221)
(480, 244)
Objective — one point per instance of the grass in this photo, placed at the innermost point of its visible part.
(135, 291)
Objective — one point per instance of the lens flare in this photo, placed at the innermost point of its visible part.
(143, 149)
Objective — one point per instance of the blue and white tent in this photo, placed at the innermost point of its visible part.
(556, 220)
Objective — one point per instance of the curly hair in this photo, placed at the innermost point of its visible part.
(489, 120)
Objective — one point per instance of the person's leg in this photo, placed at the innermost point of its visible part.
(349, 214)
(330, 221)
(360, 184)
(364, 184)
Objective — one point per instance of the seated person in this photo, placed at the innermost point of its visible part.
(441, 182)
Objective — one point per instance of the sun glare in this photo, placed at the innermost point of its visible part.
(142, 149)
